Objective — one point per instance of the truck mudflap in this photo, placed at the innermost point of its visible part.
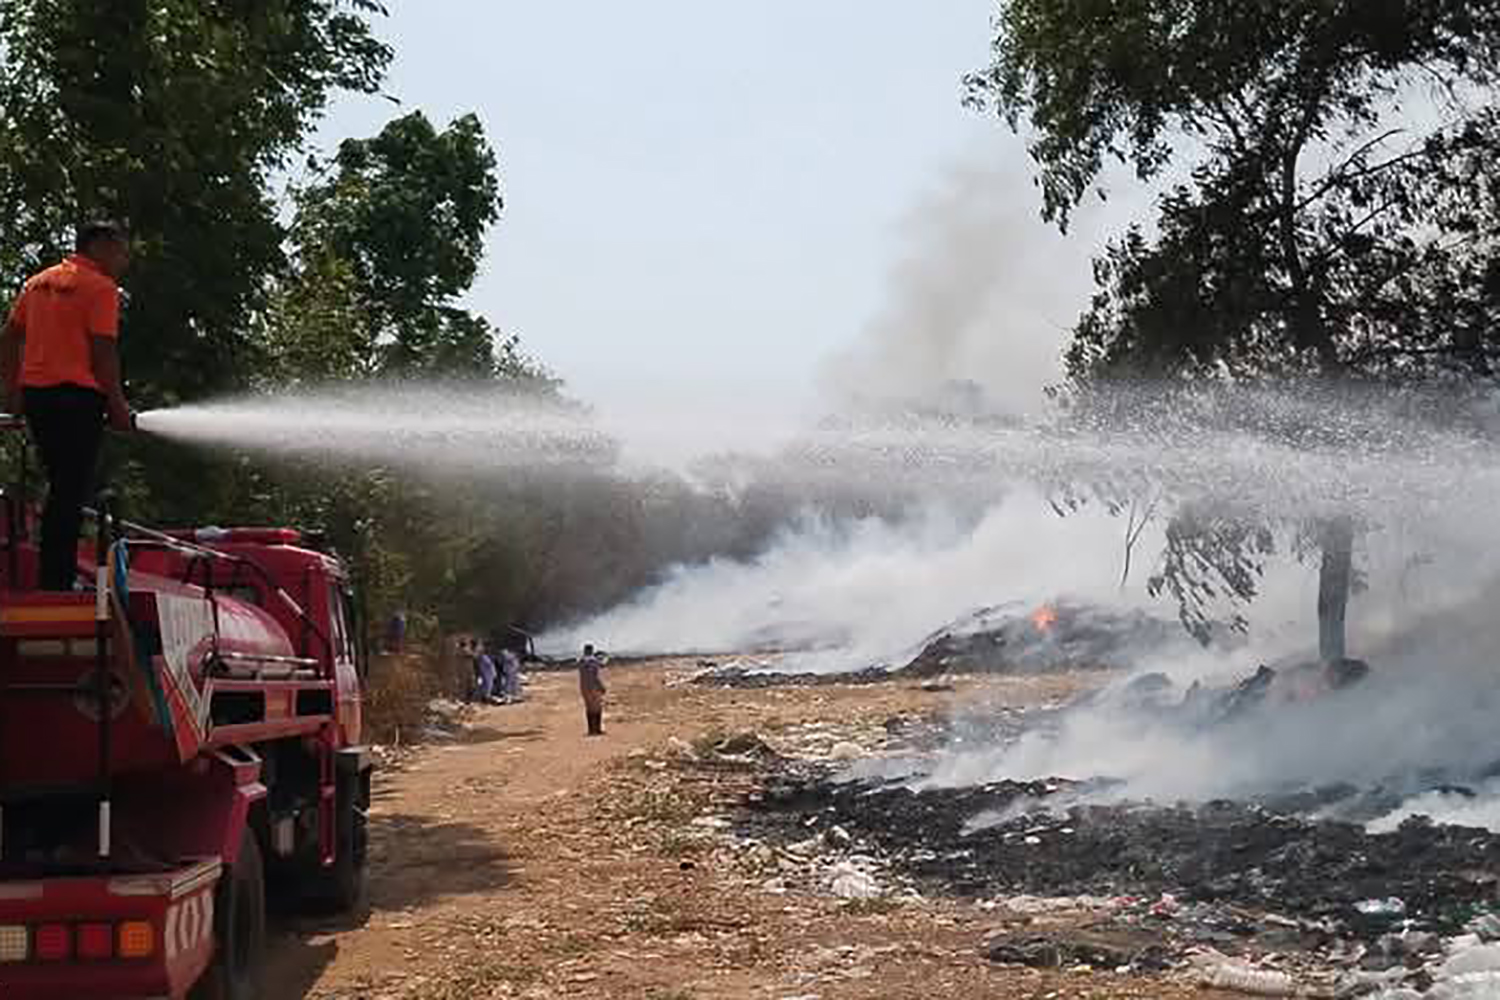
(125, 937)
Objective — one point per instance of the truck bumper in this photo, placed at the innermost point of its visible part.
(123, 937)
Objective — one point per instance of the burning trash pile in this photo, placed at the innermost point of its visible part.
(1050, 638)
(1006, 639)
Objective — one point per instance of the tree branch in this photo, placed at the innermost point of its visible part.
(1341, 174)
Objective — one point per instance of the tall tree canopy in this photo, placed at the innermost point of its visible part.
(1340, 212)
(174, 115)
(1333, 205)
(394, 228)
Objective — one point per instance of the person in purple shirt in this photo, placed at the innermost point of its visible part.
(486, 664)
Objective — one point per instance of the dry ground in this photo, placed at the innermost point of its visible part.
(527, 861)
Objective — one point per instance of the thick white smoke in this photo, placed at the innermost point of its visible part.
(866, 592)
(984, 295)
(1425, 715)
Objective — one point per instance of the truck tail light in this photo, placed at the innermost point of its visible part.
(15, 944)
(137, 939)
(96, 942)
(54, 942)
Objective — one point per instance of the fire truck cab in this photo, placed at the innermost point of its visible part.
(179, 741)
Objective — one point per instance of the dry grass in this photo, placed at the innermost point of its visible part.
(397, 693)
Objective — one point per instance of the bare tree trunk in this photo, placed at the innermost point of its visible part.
(1335, 578)
(1134, 528)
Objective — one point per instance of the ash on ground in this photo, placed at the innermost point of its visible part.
(1264, 897)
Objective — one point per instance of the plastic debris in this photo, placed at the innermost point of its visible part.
(855, 885)
(846, 752)
(1466, 959)
(1218, 971)
(1486, 927)
(1031, 906)
(1166, 906)
(1391, 907)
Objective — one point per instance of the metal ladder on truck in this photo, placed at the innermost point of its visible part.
(31, 615)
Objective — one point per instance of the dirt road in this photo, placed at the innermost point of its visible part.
(527, 861)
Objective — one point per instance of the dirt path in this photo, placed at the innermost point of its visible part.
(527, 861)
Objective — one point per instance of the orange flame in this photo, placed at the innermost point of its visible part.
(1044, 618)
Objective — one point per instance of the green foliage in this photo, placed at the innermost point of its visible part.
(1335, 210)
(173, 115)
(178, 116)
(1212, 555)
(1128, 80)
(386, 240)
(1341, 212)
(384, 243)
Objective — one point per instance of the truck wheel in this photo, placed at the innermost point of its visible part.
(342, 887)
(239, 929)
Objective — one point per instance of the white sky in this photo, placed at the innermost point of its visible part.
(702, 198)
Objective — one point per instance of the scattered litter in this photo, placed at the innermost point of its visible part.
(1467, 957)
(1218, 971)
(682, 749)
(849, 881)
(846, 751)
(1486, 927)
(1166, 906)
(1033, 906)
(712, 823)
(1071, 950)
(837, 836)
(762, 675)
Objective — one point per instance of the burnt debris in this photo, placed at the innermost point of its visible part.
(1009, 838)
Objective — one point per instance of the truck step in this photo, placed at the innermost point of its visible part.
(45, 615)
(20, 795)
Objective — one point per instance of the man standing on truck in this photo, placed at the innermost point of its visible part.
(61, 366)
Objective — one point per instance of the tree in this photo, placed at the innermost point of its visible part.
(181, 117)
(386, 240)
(173, 115)
(1339, 216)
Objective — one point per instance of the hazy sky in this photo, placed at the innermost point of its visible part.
(697, 193)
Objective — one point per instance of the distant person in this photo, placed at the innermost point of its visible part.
(395, 633)
(486, 667)
(591, 686)
(61, 367)
(510, 675)
(470, 652)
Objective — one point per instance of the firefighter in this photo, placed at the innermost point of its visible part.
(61, 367)
(591, 686)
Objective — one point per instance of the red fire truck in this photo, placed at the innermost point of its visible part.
(178, 742)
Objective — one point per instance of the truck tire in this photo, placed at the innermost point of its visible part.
(341, 888)
(239, 929)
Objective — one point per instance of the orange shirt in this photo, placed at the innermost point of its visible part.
(60, 310)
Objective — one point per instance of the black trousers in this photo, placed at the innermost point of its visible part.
(67, 424)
